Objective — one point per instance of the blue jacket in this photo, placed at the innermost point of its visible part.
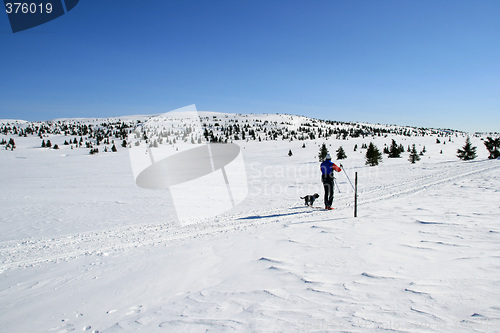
(327, 168)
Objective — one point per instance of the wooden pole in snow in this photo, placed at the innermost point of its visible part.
(356, 194)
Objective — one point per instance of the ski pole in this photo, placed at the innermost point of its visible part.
(336, 185)
(347, 176)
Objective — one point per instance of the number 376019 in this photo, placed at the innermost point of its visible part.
(28, 8)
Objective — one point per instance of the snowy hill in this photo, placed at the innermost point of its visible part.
(83, 248)
(220, 127)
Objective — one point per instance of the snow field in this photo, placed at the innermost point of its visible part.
(82, 248)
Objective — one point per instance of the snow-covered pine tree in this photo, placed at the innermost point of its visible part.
(322, 152)
(373, 155)
(341, 153)
(413, 155)
(290, 153)
(468, 152)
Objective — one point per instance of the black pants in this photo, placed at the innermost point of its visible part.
(328, 186)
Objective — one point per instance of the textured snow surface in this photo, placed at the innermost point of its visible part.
(82, 248)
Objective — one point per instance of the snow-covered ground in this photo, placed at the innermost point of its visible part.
(83, 248)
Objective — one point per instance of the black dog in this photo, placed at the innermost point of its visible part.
(309, 199)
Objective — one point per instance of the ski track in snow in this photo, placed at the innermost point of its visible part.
(35, 251)
(452, 171)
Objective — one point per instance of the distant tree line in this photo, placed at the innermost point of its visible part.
(113, 133)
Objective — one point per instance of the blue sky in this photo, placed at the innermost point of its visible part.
(421, 63)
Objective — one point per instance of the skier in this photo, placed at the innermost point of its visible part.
(327, 178)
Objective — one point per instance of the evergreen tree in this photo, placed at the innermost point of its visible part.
(290, 153)
(373, 155)
(413, 155)
(55, 146)
(43, 143)
(124, 143)
(394, 151)
(113, 149)
(341, 153)
(322, 152)
(493, 147)
(11, 145)
(48, 144)
(468, 152)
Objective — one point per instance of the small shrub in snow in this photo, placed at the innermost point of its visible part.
(11, 145)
